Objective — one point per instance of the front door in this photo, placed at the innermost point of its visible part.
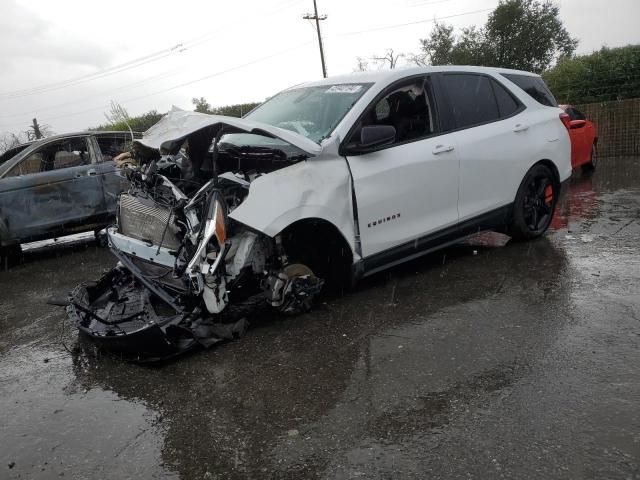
(107, 147)
(409, 188)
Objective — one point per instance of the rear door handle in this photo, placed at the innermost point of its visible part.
(520, 128)
(91, 172)
(442, 149)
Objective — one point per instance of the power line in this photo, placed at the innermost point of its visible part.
(260, 59)
(143, 60)
(128, 86)
(89, 77)
(398, 25)
(206, 77)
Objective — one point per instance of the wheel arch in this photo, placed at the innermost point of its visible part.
(551, 166)
(322, 245)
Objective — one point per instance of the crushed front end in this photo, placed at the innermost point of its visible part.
(187, 274)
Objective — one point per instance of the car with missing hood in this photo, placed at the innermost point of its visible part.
(325, 182)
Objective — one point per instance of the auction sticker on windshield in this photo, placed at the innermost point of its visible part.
(344, 89)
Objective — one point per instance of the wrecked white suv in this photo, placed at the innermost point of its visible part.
(325, 182)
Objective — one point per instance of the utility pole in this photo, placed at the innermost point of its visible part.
(36, 129)
(317, 18)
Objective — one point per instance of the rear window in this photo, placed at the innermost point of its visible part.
(575, 114)
(535, 87)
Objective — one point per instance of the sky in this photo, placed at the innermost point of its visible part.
(64, 61)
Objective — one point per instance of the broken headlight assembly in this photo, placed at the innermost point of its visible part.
(187, 275)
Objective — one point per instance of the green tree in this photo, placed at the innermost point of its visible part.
(236, 110)
(520, 34)
(437, 49)
(527, 35)
(140, 123)
(201, 104)
(608, 74)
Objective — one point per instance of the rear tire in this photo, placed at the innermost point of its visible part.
(591, 166)
(9, 256)
(534, 205)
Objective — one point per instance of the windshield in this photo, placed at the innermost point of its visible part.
(310, 111)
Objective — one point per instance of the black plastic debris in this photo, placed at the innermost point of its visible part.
(120, 315)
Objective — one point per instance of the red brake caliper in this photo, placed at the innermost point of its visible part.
(548, 195)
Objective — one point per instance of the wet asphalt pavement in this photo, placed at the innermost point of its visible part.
(515, 362)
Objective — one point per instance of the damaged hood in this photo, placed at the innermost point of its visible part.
(178, 124)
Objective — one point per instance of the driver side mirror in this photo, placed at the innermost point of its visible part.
(373, 136)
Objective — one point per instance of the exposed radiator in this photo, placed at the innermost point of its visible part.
(144, 220)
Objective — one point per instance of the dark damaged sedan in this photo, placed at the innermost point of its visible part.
(60, 185)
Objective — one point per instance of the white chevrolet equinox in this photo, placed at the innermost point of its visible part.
(329, 180)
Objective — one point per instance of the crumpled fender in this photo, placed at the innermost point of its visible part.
(319, 187)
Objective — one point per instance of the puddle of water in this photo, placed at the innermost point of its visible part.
(52, 427)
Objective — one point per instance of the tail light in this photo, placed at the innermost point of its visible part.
(566, 120)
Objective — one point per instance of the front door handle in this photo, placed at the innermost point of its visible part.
(91, 172)
(442, 149)
(520, 128)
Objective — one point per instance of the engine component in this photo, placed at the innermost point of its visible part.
(144, 219)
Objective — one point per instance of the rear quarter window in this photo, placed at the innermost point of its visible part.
(534, 87)
(506, 103)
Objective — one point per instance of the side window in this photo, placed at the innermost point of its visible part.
(535, 87)
(70, 152)
(471, 99)
(409, 108)
(112, 146)
(577, 115)
(507, 105)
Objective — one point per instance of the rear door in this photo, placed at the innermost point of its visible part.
(491, 134)
(409, 188)
(53, 190)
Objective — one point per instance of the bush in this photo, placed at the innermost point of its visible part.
(605, 75)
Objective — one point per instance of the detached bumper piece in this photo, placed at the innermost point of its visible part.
(122, 316)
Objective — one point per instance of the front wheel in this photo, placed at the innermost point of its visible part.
(534, 204)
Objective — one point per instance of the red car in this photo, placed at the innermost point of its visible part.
(584, 138)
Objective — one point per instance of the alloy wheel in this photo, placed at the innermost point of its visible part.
(538, 203)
